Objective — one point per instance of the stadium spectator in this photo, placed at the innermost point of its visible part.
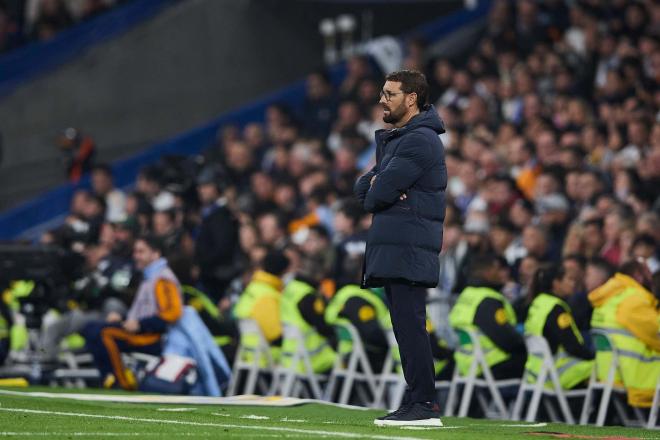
(260, 301)
(625, 308)
(217, 244)
(550, 316)
(481, 306)
(103, 186)
(156, 306)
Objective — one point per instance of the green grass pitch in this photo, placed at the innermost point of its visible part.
(31, 417)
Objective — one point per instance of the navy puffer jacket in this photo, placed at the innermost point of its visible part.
(405, 237)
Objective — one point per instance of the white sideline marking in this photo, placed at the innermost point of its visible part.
(126, 434)
(286, 419)
(176, 409)
(427, 428)
(529, 425)
(255, 417)
(220, 414)
(211, 425)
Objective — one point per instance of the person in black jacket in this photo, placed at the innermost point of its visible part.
(405, 191)
(217, 245)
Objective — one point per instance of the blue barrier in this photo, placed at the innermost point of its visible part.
(25, 63)
(16, 222)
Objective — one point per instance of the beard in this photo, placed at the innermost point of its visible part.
(395, 114)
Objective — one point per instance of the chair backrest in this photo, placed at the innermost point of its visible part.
(538, 346)
(250, 326)
(602, 340)
(470, 337)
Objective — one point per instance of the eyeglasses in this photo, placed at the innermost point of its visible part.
(388, 95)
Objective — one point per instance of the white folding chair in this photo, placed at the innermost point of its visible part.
(353, 369)
(538, 346)
(289, 382)
(603, 342)
(261, 361)
(390, 381)
(469, 337)
(655, 406)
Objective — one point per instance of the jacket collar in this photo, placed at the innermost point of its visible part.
(154, 268)
(268, 278)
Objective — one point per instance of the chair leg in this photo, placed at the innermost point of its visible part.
(466, 399)
(586, 407)
(552, 413)
(520, 398)
(453, 391)
(251, 382)
(329, 392)
(349, 379)
(233, 383)
(653, 414)
(537, 392)
(604, 404)
(561, 398)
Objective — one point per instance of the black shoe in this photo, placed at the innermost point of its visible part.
(414, 414)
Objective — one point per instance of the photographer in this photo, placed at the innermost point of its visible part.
(103, 290)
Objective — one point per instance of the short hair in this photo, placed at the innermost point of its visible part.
(481, 263)
(603, 265)
(102, 168)
(412, 81)
(154, 242)
(631, 268)
(644, 239)
(275, 262)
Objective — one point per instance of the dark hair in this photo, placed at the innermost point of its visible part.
(275, 262)
(544, 277)
(154, 242)
(481, 263)
(644, 239)
(412, 81)
(602, 264)
(578, 258)
(103, 168)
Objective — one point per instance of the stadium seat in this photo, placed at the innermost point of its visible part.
(289, 382)
(470, 338)
(262, 362)
(390, 380)
(353, 369)
(602, 342)
(538, 346)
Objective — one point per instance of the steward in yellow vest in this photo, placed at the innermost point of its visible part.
(303, 307)
(550, 316)
(626, 309)
(261, 301)
(367, 312)
(480, 307)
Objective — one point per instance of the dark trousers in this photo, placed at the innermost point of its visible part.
(106, 342)
(408, 312)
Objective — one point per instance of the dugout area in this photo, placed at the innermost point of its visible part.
(51, 413)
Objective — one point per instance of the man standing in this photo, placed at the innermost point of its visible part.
(405, 191)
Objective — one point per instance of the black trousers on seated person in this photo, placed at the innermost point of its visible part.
(512, 368)
(408, 312)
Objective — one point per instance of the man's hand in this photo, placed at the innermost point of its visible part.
(113, 317)
(403, 196)
(131, 325)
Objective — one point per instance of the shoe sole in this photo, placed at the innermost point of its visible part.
(424, 422)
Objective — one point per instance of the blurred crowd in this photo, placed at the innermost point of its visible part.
(23, 21)
(552, 150)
